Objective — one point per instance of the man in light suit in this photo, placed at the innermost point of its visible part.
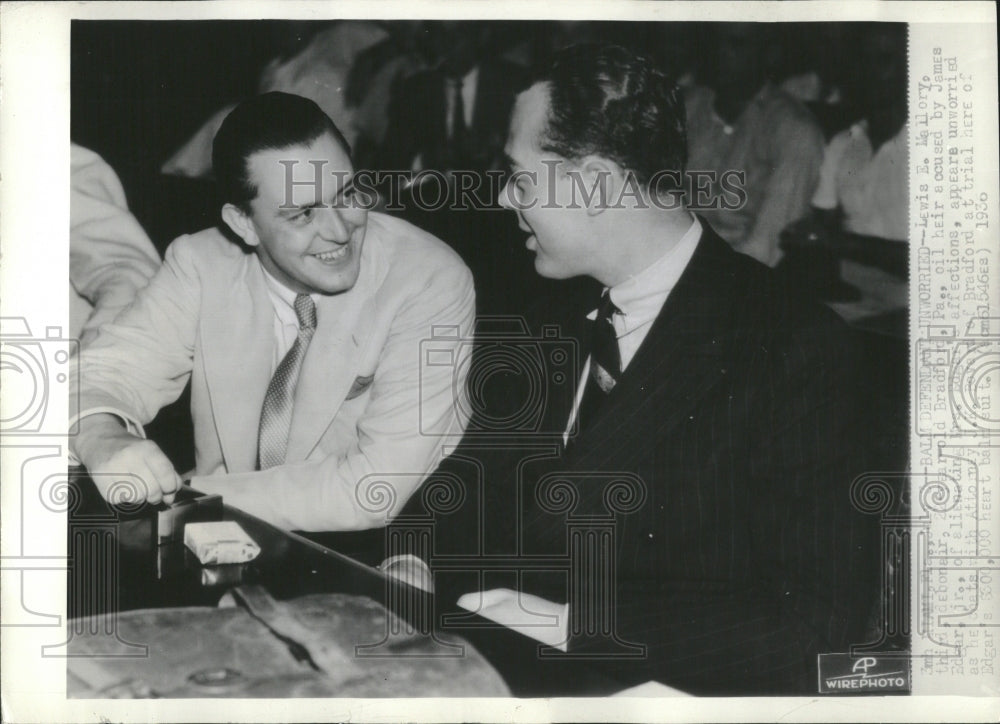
(715, 424)
(110, 256)
(303, 345)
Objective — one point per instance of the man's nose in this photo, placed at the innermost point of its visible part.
(332, 226)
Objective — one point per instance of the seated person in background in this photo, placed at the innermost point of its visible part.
(453, 117)
(375, 72)
(302, 344)
(729, 403)
(864, 186)
(865, 171)
(110, 256)
(868, 183)
(454, 114)
(318, 71)
(745, 123)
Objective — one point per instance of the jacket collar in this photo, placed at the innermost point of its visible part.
(237, 338)
(681, 358)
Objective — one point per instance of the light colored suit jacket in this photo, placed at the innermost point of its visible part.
(110, 255)
(369, 408)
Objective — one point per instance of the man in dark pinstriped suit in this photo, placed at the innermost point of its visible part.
(737, 556)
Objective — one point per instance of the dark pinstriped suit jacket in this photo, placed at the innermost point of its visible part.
(738, 413)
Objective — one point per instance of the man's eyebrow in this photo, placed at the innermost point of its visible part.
(348, 185)
(292, 209)
(509, 160)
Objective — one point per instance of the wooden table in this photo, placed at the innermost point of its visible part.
(117, 565)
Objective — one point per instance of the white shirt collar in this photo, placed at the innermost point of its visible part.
(282, 298)
(640, 297)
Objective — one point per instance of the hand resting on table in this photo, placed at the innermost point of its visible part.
(125, 468)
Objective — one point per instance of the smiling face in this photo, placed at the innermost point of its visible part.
(542, 194)
(307, 234)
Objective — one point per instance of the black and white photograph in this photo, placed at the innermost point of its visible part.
(460, 357)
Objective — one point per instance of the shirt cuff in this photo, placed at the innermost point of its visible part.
(131, 426)
(409, 569)
(533, 616)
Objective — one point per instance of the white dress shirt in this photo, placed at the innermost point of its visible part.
(286, 321)
(640, 299)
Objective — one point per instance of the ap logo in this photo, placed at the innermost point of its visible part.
(864, 664)
(846, 674)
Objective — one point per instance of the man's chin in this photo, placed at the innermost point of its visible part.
(544, 270)
(338, 287)
(335, 281)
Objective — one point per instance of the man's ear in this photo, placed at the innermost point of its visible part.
(602, 179)
(239, 221)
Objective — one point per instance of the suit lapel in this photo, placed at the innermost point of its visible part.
(237, 338)
(575, 330)
(344, 324)
(493, 102)
(681, 359)
(483, 104)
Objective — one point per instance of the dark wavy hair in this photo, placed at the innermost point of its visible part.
(265, 122)
(607, 101)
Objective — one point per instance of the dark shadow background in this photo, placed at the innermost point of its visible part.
(139, 89)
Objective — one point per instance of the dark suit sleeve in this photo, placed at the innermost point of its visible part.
(814, 554)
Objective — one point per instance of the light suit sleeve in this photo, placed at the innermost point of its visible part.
(111, 257)
(142, 360)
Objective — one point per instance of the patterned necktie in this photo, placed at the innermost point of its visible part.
(276, 415)
(605, 362)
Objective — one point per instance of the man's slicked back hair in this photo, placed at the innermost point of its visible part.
(607, 101)
(270, 121)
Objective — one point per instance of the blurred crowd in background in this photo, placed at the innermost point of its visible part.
(814, 115)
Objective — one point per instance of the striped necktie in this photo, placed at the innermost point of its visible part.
(605, 362)
(276, 415)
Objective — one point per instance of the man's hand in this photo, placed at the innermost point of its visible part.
(409, 569)
(818, 229)
(111, 455)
